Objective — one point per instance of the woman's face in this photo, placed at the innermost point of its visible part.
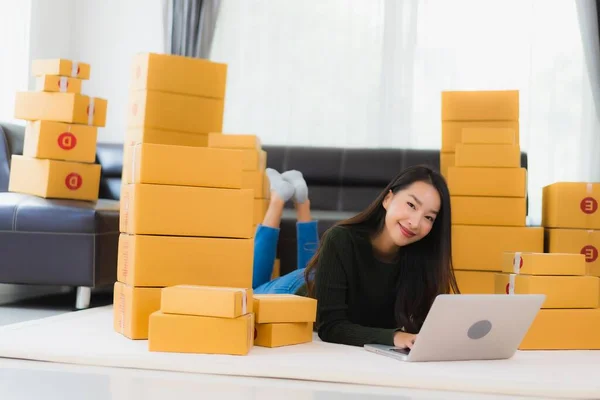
(411, 212)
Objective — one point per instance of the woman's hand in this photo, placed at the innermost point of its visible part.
(404, 340)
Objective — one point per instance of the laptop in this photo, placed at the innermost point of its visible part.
(470, 327)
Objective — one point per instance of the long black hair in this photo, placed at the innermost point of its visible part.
(427, 263)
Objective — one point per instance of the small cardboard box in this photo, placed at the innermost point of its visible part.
(285, 334)
(279, 308)
(452, 131)
(135, 136)
(543, 263)
(59, 141)
(182, 165)
(488, 155)
(174, 112)
(446, 160)
(571, 205)
(132, 308)
(186, 211)
(491, 182)
(206, 301)
(494, 211)
(485, 105)
(53, 83)
(54, 179)
(564, 330)
(178, 74)
(475, 282)
(207, 335)
(489, 136)
(60, 67)
(231, 141)
(576, 241)
(191, 260)
(258, 181)
(560, 291)
(72, 108)
(480, 248)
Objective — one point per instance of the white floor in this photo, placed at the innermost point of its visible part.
(25, 380)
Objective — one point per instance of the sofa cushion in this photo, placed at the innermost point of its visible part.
(25, 213)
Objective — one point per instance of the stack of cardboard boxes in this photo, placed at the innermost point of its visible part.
(480, 133)
(570, 318)
(283, 320)
(60, 138)
(185, 217)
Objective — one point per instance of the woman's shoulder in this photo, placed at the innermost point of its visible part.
(342, 236)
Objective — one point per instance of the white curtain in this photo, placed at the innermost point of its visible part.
(359, 73)
(14, 54)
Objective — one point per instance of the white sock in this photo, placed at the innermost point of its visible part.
(284, 189)
(297, 180)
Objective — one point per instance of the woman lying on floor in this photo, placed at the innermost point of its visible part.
(375, 275)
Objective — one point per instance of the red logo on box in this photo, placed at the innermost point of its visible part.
(66, 84)
(589, 205)
(67, 141)
(73, 181)
(87, 111)
(507, 288)
(590, 253)
(520, 262)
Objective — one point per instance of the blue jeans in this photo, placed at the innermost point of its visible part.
(265, 250)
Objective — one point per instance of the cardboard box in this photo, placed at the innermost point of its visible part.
(502, 182)
(489, 136)
(181, 334)
(571, 205)
(258, 181)
(186, 211)
(231, 141)
(488, 155)
(135, 136)
(132, 308)
(481, 247)
(71, 108)
(276, 269)
(446, 160)
(54, 179)
(452, 131)
(543, 263)
(260, 209)
(564, 330)
(174, 112)
(182, 165)
(485, 105)
(60, 67)
(560, 291)
(59, 141)
(576, 241)
(495, 211)
(191, 260)
(178, 74)
(53, 83)
(286, 334)
(206, 301)
(475, 282)
(279, 308)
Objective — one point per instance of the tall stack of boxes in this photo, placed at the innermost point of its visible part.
(480, 131)
(59, 151)
(254, 164)
(185, 216)
(570, 317)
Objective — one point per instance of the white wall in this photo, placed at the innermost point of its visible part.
(107, 34)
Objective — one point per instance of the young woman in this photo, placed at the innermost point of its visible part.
(375, 275)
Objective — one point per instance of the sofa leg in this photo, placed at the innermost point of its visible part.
(84, 294)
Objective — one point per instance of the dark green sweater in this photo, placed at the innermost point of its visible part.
(354, 290)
